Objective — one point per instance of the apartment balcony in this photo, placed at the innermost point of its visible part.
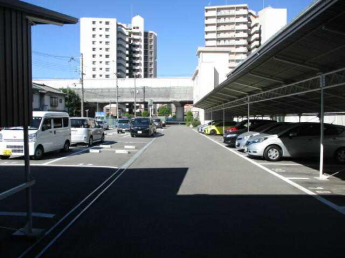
(210, 36)
(237, 57)
(210, 28)
(226, 28)
(242, 12)
(210, 13)
(226, 13)
(211, 21)
(241, 35)
(210, 43)
(255, 30)
(255, 37)
(241, 42)
(241, 27)
(240, 50)
(137, 55)
(255, 44)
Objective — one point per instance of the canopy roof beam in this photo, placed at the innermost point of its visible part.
(266, 78)
(297, 63)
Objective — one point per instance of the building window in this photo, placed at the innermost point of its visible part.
(93, 22)
(107, 56)
(93, 69)
(107, 69)
(94, 62)
(107, 76)
(94, 76)
(101, 42)
(93, 42)
(107, 49)
(93, 29)
(100, 69)
(93, 56)
(107, 29)
(94, 49)
(100, 28)
(100, 35)
(54, 102)
(107, 62)
(100, 75)
(101, 49)
(100, 55)
(93, 35)
(101, 62)
(106, 23)
(60, 100)
(100, 22)
(107, 42)
(107, 36)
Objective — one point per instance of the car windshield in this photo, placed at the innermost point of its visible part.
(79, 123)
(141, 121)
(157, 120)
(34, 124)
(100, 122)
(123, 121)
(278, 129)
(264, 127)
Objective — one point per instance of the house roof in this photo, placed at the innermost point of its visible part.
(44, 89)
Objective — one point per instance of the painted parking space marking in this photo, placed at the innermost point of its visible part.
(278, 170)
(298, 178)
(301, 188)
(316, 188)
(323, 192)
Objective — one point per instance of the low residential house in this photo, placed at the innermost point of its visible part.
(46, 98)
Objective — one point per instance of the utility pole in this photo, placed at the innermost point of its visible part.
(144, 99)
(82, 84)
(135, 95)
(117, 98)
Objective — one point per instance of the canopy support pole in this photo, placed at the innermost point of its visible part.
(223, 121)
(322, 85)
(248, 112)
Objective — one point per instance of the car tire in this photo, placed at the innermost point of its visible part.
(132, 135)
(213, 132)
(39, 152)
(102, 139)
(5, 157)
(65, 147)
(339, 155)
(90, 142)
(273, 153)
(118, 132)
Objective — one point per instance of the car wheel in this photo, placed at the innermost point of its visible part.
(340, 155)
(102, 139)
(90, 142)
(273, 153)
(213, 132)
(66, 147)
(38, 153)
(118, 132)
(132, 135)
(5, 157)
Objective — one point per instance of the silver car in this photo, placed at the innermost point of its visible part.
(298, 140)
(243, 138)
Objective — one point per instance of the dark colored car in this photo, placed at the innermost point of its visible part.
(158, 123)
(231, 133)
(123, 126)
(142, 126)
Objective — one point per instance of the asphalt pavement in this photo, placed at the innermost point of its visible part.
(183, 195)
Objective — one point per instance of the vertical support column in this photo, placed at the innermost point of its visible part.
(223, 120)
(322, 84)
(211, 114)
(248, 112)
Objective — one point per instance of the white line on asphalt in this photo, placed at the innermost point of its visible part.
(79, 165)
(279, 164)
(316, 188)
(297, 178)
(72, 154)
(124, 167)
(24, 214)
(319, 198)
(323, 192)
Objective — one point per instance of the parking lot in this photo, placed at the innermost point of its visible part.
(179, 194)
(304, 172)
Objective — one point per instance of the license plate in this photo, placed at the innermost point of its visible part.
(7, 152)
(245, 149)
(140, 132)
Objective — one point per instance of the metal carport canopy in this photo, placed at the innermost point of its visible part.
(289, 64)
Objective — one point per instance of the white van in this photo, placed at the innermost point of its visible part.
(86, 130)
(48, 131)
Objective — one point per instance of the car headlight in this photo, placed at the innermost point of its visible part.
(32, 137)
(246, 137)
(258, 140)
(1, 137)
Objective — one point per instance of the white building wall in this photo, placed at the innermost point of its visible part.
(271, 21)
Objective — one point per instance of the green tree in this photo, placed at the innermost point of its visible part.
(127, 115)
(145, 114)
(72, 101)
(164, 111)
(189, 116)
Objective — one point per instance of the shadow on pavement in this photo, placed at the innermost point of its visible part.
(143, 215)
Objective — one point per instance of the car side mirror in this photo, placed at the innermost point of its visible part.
(293, 134)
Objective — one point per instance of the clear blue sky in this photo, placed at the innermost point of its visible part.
(179, 25)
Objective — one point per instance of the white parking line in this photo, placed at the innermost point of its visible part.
(72, 154)
(279, 164)
(297, 178)
(319, 198)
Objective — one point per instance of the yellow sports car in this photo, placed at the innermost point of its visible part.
(217, 128)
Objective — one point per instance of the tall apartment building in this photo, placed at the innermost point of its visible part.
(113, 49)
(238, 28)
